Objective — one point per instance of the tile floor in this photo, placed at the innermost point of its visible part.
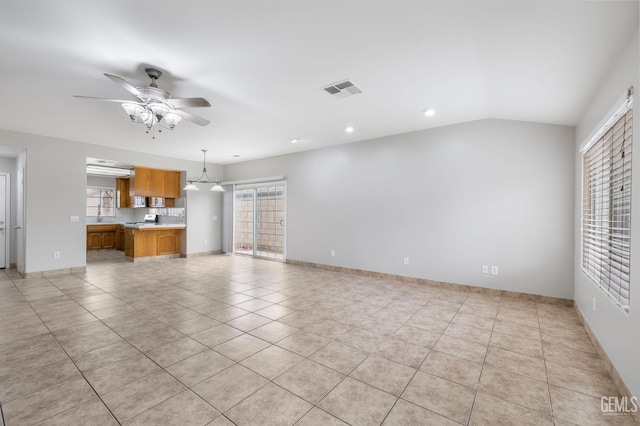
(221, 340)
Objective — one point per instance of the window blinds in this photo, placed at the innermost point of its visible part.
(606, 209)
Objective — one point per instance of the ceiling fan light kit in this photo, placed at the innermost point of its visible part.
(155, 105)
(191, 181)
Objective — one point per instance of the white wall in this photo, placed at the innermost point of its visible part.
(616, 330)
(55, 186)
(451, 199)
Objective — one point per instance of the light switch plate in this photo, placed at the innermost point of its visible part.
(74, 219)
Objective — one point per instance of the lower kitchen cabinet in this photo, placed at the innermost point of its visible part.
(148, 242)
(101, 236)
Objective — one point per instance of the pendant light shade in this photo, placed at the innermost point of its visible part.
(191, 181)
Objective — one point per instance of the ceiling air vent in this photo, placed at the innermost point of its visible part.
(342, 89)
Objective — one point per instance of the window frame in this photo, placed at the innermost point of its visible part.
(602, 271)
(100, 188)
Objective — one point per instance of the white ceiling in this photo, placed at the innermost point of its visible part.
(262, 65)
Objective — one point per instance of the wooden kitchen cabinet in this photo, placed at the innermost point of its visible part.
(123, 193)
(148, 242)
(150, 182)
(120, 237)
(101, 236)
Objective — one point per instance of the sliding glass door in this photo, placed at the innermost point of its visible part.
(259, 220)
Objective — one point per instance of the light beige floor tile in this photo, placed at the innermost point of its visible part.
(176, 351)
(33, 380)
(248, 322)
(270, 405)
(227, 314)
(431, 324)
(24, 332)
(105, 355)
(473, 320)
(195, 325)
(327, 328)
(29, 353)
(581, 409)
(241, 347)
(136, 397)
(299, 319)
(216, 335)
(78, 345)
(521, 345)
(515, 388)
(199, 367)
(417, 336)
(252, 305)
(461, 348)
(304, 343)
(515, 329)
(47, 402)
(316, 417)
(229, 387)
(357, 403)
(443, 397)
(119, 373)
(92, 412)
(513, 362)
(361, 339)
(383, 374)
(184, 409)
(271, 362)
(407, 414)
(577, 359)
(273, 331)
(340, 357)
(584, 381)
(452, 368)
(489, 410)
(402, 352)
(310, 380)
(275, 312)
(468, 332)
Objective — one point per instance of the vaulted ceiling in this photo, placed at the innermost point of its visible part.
(262, 65)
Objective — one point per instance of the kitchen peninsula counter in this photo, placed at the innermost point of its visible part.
(143, 241)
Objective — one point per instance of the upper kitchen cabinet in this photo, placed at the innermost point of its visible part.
(123, 197)
(148, 182)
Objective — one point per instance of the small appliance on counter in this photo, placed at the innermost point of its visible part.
(150, 218)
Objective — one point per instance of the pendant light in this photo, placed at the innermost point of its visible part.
(191, 181)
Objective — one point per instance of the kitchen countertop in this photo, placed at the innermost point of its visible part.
(149, 226)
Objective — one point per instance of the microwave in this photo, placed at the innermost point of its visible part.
(156, 202)
(137, 202)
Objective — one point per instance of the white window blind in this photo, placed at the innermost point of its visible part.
(606, 209)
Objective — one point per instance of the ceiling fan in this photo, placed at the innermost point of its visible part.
(155, 105)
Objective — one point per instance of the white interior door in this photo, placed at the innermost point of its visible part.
(3, 220)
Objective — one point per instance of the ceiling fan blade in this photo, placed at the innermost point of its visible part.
(194, 118)
(125, 84)
(188, 102)
(102, 99)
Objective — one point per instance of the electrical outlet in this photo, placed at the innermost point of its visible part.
(205, 242)
(494, 270)
(56, 255)
(406, 260)
(485, 269)
(74, 219)
(332, 253)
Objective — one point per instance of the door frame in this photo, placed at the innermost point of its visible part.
(254, 186)
(7, 220)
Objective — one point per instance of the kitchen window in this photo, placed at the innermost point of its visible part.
(606, 206)
(101, 202)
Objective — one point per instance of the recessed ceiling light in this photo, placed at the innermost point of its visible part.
(349, 129)
(429, 112)
(294, 141)
(236, 155)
